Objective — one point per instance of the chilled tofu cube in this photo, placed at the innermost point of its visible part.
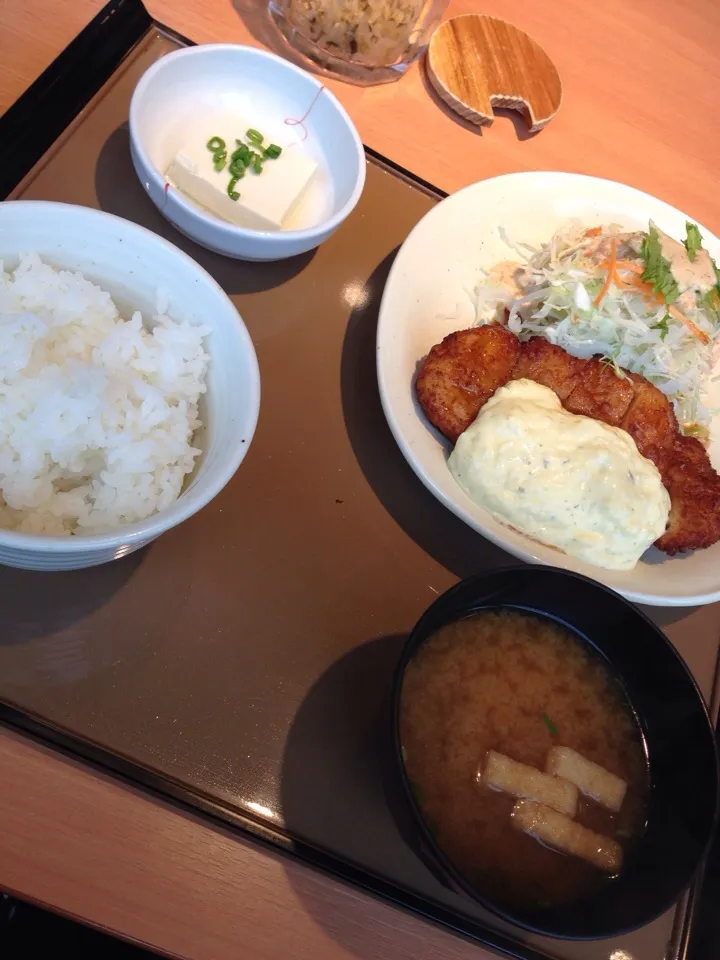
(265, 199)
(521, 780)
(590, 778)
(566, 835)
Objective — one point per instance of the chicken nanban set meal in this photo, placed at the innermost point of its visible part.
(482, 688)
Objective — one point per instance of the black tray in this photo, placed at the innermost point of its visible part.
(87, 81)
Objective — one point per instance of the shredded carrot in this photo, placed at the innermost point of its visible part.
(610, 274)
(613, 265)
(636, 283)
(631, 265)
(695, 331)
(645, 288)
(593, 232)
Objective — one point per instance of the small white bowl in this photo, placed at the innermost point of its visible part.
(132, 263)
(267, 91)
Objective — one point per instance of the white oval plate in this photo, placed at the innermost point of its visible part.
(427, 296)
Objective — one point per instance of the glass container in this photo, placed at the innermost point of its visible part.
(365, 41)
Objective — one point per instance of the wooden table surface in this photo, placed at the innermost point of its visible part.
(641, 105)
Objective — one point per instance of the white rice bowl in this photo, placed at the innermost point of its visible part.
(97, 414)
(67, 466)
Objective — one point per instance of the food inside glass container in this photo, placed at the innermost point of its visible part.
(372, 32)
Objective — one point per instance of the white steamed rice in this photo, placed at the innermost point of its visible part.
(97, 414)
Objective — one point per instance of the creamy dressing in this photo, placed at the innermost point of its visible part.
(567, 481)
(508, 274)
(697, 274)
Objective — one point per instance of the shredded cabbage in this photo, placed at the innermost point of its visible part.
(552, 293)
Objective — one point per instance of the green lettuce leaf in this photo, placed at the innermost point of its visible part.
(657, 269)
(662, 326)
(693, 241)
(712, 298)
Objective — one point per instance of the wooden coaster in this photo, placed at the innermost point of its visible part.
(476, 63)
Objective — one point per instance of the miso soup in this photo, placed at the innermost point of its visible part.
(511, 683)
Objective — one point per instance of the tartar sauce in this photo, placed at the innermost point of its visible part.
(567, 481)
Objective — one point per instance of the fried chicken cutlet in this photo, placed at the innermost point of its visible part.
(460, 375)
(694, 489)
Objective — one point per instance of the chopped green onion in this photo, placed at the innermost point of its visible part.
(245, 155)
(242, 153)
(232, 192)
(550, 725)
(237, 168)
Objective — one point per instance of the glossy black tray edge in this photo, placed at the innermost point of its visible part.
(27, 131)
